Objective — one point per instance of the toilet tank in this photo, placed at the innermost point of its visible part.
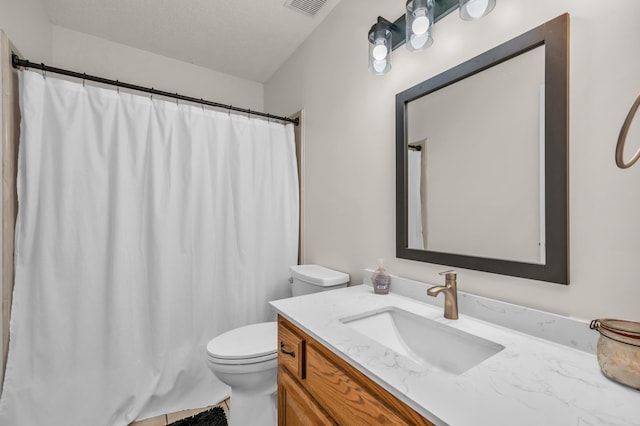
(306, 279)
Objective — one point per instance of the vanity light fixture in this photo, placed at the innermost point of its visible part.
(414, 27)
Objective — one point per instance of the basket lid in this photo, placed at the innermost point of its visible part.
(620, 330)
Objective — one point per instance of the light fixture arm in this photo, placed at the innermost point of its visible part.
(397, 29)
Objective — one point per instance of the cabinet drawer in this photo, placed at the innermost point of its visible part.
(291, 351)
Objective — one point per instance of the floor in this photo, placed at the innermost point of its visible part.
(166, 419)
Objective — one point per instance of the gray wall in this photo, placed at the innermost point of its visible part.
(350, 156)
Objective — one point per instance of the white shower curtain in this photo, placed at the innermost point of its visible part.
(145, 228)
(414, 201)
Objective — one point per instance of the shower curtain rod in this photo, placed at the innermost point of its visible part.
(17, 62)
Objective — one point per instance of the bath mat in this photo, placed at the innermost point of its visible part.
(212, 417)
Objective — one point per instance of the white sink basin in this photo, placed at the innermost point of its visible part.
(423, 340)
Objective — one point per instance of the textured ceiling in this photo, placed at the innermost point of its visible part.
(247, 39)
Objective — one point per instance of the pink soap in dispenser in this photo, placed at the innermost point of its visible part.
(381, 280)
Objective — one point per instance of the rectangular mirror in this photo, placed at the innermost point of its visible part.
(482, 161)
(491, 203)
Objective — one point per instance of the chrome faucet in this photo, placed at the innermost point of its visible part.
(450, 290)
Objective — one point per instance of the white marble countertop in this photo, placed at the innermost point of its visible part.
(533, 381)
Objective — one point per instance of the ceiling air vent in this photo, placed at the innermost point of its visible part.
(308, 7)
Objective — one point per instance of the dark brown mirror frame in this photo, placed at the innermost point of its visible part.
(554, 35)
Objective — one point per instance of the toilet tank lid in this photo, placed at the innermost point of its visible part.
(319, 275)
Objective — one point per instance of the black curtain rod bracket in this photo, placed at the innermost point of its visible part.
(24, 63)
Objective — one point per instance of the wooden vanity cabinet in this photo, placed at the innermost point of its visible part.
(316, 387)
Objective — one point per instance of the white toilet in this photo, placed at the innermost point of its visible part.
(245, 358)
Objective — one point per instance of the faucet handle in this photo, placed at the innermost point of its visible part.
(450, 278)
(450, 274)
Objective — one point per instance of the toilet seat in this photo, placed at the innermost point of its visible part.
(250, 344)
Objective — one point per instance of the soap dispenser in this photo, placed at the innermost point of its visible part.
(381, 280)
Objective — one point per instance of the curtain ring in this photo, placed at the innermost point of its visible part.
(44, 73)
(249, 114)
(177, 99)
(118, 86)
(151, 94)
(202, 104)
(84, 78)
(229, 110)
(268, 118)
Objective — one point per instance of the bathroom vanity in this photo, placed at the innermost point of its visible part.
(353, 357)
(316, 387)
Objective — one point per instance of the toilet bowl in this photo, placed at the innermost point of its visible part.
(246, 358)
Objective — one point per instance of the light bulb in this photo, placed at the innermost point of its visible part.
(421, 22)
(418, 42)
(380, 51)
(380, 65)
(476, 8)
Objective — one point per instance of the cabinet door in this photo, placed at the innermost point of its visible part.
(295, 406)
(348, 401)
